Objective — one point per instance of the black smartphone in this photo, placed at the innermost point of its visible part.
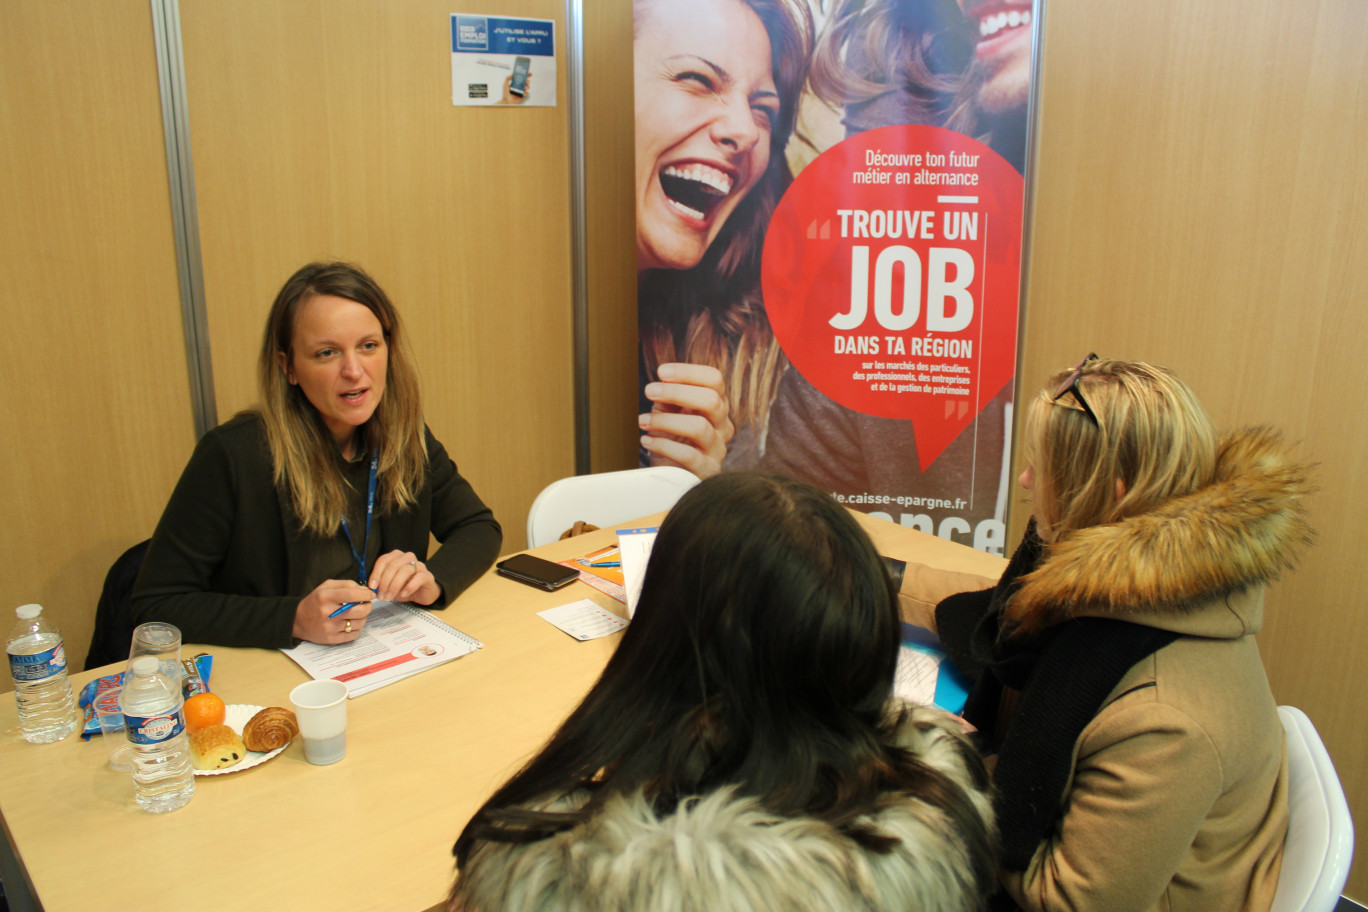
(519, 84)
(534, 571)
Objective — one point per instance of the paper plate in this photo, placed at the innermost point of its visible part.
(238, 715)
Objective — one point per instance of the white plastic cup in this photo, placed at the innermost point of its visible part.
(321, 708)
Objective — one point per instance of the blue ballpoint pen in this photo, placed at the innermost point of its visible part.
(607, 564)
(347, 606)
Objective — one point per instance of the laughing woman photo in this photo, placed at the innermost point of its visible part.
(717, 89)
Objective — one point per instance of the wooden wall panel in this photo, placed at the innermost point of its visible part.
(611, 218)
(1200, 204)
(326, 129)
(97, 406)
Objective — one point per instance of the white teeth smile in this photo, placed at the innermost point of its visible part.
(703, 174)
(991, 25)
(356, 395)
(687, 210)
(695, 189)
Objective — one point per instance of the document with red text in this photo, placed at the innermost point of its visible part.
(399, 640)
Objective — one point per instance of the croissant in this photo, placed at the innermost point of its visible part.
(270, 728)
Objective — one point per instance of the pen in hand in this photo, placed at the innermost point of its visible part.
(347, 606)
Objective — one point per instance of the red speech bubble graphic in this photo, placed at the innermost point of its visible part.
(891, 276)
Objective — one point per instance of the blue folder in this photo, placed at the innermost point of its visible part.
(952, 688)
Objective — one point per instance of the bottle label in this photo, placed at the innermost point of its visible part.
(38, 666)
(154, 729)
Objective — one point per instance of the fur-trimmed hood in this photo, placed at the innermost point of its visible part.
(1194, 565)
(725, 853)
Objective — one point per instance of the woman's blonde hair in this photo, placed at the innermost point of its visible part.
(1151, 434)
(308, 468)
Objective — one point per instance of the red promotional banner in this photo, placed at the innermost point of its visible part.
(829, 203)
(891, 269)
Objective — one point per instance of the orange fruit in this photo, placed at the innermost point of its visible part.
(203, 710)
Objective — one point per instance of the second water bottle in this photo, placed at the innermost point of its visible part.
(163, 778)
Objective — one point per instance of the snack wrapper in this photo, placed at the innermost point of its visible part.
(104, 691)
(192, 682)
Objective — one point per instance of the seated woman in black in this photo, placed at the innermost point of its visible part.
(741, 750)
(324, 495)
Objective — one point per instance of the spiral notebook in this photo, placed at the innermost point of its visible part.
(398, 641)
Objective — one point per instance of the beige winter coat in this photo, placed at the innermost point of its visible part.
(1177, 800)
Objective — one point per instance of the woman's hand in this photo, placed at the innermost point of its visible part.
(311, 617)
(688, 424)
(508, 97)
(400, 577)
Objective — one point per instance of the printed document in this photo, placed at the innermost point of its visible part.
(398, 640)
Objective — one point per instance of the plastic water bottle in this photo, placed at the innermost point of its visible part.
(47, 710)
(154, 720)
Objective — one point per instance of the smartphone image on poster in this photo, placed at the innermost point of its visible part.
(519, 84)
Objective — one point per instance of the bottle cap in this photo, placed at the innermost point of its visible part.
(146, 665)
(29, 612)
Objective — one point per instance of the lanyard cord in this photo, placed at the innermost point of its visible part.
(370, 509)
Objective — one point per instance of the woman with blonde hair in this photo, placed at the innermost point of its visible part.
(1139, 754)
(291, 518)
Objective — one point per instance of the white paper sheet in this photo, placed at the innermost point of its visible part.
(583, 620)
(914, 681)
(634, 549)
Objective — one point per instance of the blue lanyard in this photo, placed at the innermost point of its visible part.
(370, 509)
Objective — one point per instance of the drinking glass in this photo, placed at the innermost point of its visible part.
(160, 639)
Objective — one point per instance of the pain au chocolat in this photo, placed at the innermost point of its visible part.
(215, 747)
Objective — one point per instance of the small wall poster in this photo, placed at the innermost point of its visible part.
(501, 60)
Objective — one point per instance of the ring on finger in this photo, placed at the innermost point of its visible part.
(347, 629)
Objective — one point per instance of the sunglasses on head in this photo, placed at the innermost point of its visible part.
(1070, 386)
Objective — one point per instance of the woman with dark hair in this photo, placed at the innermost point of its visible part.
(1140, 756)
(323, 496)
(741, 750)
(717, 89)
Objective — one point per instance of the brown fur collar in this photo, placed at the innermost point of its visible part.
(1243, 529)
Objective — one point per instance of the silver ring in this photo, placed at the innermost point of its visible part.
(414, 565)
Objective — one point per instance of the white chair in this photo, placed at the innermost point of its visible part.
(604, 499)
(1320, 833)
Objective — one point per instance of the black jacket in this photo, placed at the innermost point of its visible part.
(218, 566)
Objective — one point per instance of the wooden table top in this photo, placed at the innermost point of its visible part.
(371, 832)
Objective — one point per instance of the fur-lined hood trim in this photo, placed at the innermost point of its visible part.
(726, 853)
(1238, 532)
